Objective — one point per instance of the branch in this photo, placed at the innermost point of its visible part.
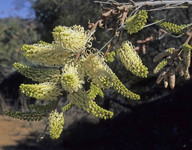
(148, 3)
(158, 3)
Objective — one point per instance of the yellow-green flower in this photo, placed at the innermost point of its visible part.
(187, 47)
(38, 74)
(70, 78)
(74, 38)
(68, 41)
(42, 91)
(97, 70)
(187, 54)
(173, 28)
(56, 122)
(102, 76)
(120, 87)
(48, 54)
(29, 116)
(110, 57)
(82, 100)
(160, 66)
(136, 22)
(94, 91)
(131, 60)
(67, 107)
(47, 108)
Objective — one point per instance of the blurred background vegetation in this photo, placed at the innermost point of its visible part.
(153, 123)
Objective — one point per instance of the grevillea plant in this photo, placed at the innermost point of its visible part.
(70, 62)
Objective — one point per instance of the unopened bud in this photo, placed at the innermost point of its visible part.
(160, 77)
(187, 75)
(165, 81)
(178, 67)
(187, 58)
(181, 72)
(172, 78)
(144, 49)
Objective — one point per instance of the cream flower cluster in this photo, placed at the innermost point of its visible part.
(74, 38)
(70, 78)
(52, 82)
(82, 100)
(94, 91)
(97, 70)
(67, 42)
(56, 122)
(136, 22)
(160, 66)
(61, 72)
(102, 76)
(42, 91)
(131, 60)
(47, 54)
(38, 74)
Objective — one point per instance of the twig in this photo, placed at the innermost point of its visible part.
(168, 34)
(187, 26)
(76, 57)
(170, 7)
(134, 11)
(153, 23)
(151, 3)
(175, 36)
(188, 39)
(108, 42)
(164, 35)
(108, 47)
